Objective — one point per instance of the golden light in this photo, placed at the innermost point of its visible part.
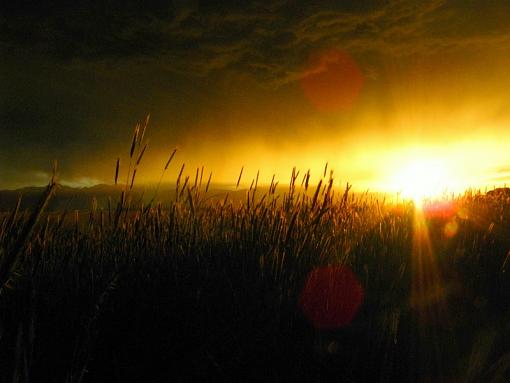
(422, 178)
(427, 172)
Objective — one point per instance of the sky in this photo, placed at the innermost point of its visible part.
(367, 86)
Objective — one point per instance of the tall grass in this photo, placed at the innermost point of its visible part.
(209, 288)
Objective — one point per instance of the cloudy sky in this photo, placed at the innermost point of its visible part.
(267, 85)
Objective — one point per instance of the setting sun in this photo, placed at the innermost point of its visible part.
(421, 178)
(431, 172)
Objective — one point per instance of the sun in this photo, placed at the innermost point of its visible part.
(421, 178)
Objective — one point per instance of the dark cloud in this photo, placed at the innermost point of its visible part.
(269, 40)
(76, 75)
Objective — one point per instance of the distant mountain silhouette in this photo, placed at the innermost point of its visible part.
(70, 198)
(65, 198)
(82, 198)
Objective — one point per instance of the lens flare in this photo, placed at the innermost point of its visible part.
(332, 81)
(451, 228)
(429, 293)
(331, 297)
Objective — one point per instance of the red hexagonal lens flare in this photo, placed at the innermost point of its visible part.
(331, 297)
(332, 81)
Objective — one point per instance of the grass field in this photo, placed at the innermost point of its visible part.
(289, 283)
(211, 289)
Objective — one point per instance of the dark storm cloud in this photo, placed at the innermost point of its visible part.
(270, 40)
(76, 75)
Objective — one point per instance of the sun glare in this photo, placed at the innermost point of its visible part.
(421, 173)
(422, 178)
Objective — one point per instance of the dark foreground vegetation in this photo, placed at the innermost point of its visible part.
(297, 284)
(213, 290)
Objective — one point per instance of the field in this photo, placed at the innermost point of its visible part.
(302, 283)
